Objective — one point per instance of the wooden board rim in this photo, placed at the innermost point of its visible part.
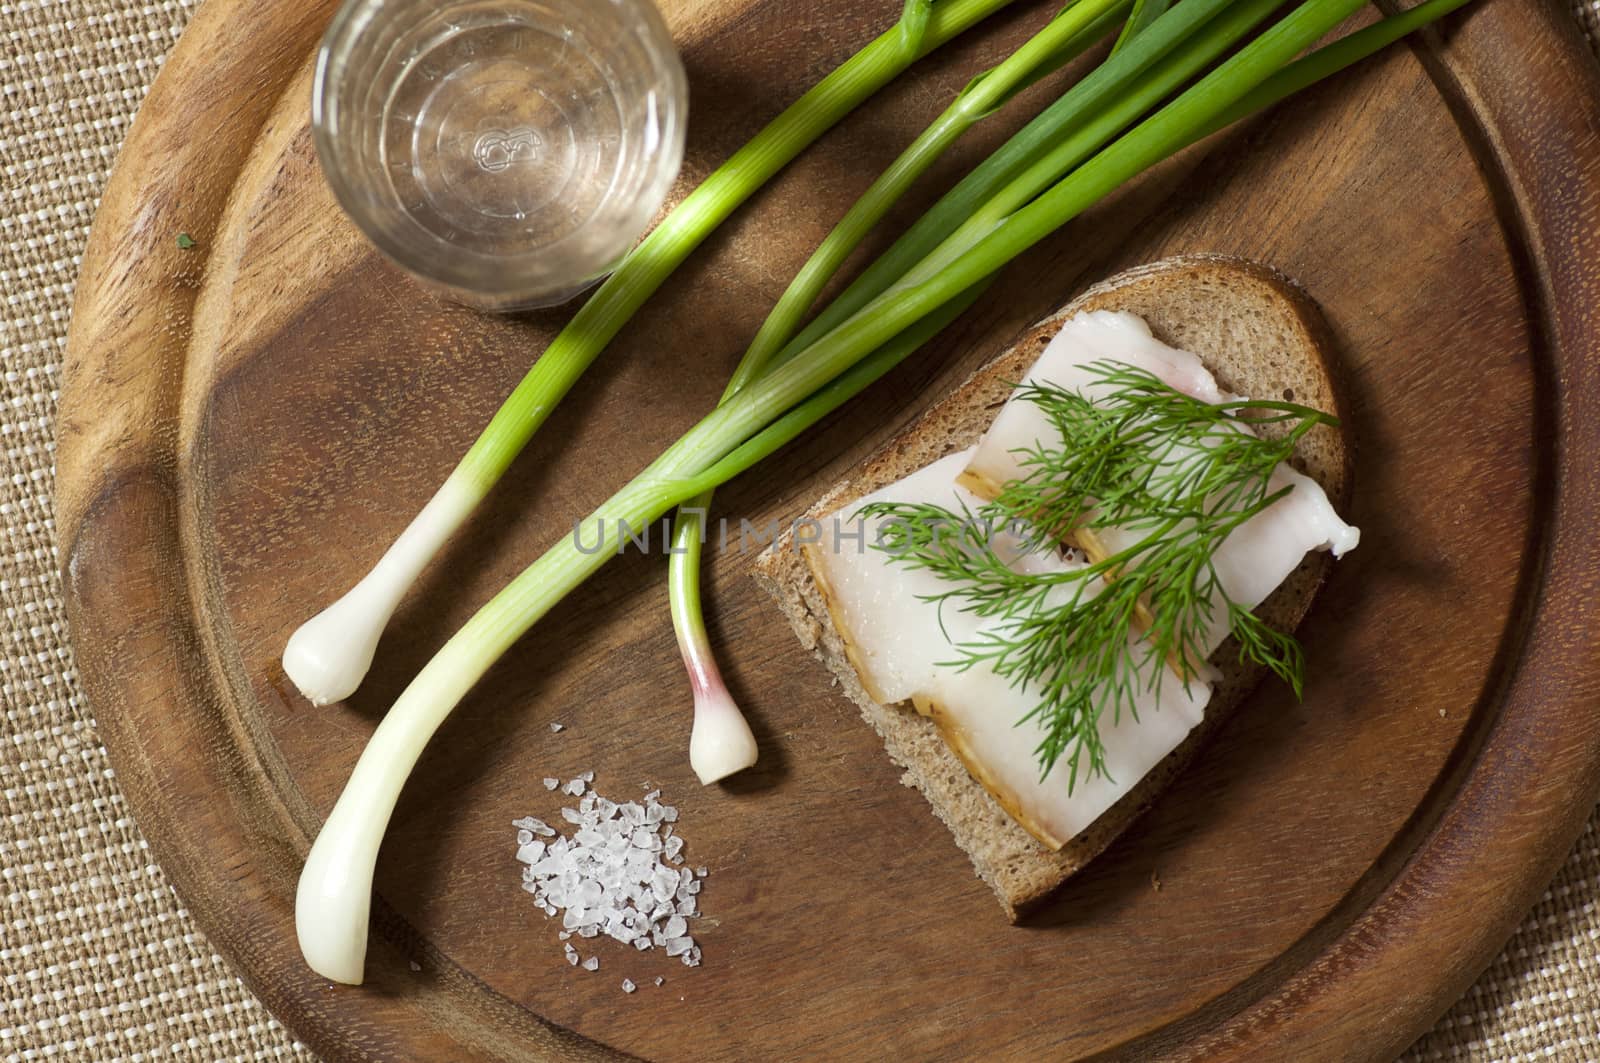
(1547, 725)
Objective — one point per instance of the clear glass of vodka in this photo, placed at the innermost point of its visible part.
(507, 152)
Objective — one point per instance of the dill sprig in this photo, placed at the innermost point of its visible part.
(1141, 457)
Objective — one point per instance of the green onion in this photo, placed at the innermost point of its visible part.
(328, 656)
(334, 895)
(719, 726)
(720, 741)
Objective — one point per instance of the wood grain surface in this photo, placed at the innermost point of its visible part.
(246, 423)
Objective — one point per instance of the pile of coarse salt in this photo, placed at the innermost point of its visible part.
(616, 874)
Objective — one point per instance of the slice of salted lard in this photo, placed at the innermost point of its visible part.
(1258, 555)
(901, 646)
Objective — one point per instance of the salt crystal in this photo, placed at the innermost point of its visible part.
(592, 963)
(651, 796)
(660, 980)
(641, 943)
(530, 851)
(679, 945)
(588, 931)
(524, 836)
(674, 847)
(586, 776)
(557, 728)
(573, 787)
(551, 784)
(676, 927)
(628, 986)
(644, 839)
(669, 813)
(572, 955)
(700, 872)
(571, 815)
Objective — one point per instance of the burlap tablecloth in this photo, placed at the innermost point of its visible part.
(100, 961)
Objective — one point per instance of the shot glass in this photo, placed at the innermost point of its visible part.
(506, 152)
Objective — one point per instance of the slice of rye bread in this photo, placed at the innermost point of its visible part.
(1261, 336)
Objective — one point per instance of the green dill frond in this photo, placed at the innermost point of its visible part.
(1142, 457)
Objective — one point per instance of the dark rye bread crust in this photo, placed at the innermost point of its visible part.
(1260, 335)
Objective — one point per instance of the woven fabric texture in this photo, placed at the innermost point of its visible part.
(98, 959)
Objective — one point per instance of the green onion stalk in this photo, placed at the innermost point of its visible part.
(720, 741)
(1170, 51)
(329, 655)
(334, 895)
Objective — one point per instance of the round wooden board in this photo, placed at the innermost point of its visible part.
(247, 422)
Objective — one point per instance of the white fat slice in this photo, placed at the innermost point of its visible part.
(1251, 562)
(1261, 552)
(977, 712)
(901, 651)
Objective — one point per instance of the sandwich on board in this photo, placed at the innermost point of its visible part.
(940, 680)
